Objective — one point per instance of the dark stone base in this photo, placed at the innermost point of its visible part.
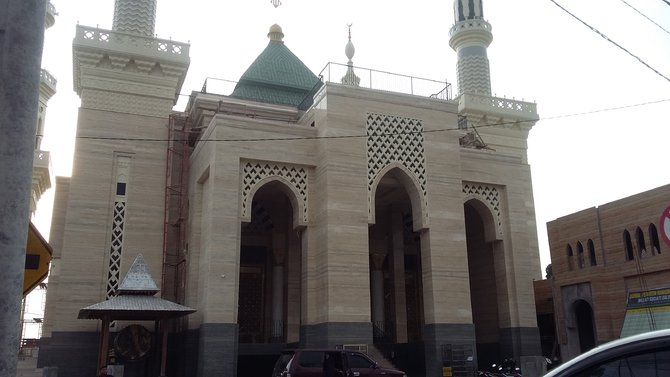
(332, 334)
(217, 350)
(520, 341)
(440, 337)
(74, 354)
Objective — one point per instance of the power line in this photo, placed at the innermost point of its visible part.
(356, 136)
(611, 41)
(666, 1)
(645, 16)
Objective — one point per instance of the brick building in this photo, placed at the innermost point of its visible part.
(599, 256)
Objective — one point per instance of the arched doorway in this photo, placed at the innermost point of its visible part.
(269, 279)
(584, 319)
(483, 253)
(395, 264)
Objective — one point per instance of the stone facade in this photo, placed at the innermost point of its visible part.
(370, 217)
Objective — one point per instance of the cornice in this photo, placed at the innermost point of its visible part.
(99, 52)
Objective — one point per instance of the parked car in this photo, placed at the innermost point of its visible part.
(329, 363)
(643, 355)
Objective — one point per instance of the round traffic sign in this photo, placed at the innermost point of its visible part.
(664, 224)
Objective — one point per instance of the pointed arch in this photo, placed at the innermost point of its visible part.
(411, 185)
(580, 255)
(487, 215)
(641, 243)
(592, 252)
(628, 245)
(655, 242)
(285, 186)
(570, 256)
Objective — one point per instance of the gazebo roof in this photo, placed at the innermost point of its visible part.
(135, 299)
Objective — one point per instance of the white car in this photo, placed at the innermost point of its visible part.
(643, 355)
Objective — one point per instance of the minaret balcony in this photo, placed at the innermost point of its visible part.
(41, 176)
(131, 44)
(467, 32)
(47, 84)
(495, 106)
(51, 15)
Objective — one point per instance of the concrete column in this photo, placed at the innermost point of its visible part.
(277, 301)
(398, 254)
(377, 288)
(21, 39)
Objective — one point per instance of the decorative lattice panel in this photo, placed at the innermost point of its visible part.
(489, 195)
(255, 172)
(394, 139)
(122, 167)
(116, 248)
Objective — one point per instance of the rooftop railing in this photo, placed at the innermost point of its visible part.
(137, 43)
(47, 78)
(387, 81)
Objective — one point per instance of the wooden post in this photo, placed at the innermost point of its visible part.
(164, 331)
(104, 345)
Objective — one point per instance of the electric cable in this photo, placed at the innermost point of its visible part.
(611, 41)
(645, 16)
(383, 134)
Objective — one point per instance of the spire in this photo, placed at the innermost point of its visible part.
(135, 17)
(350, 77)
(470, 37)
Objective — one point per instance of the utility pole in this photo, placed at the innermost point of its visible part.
(21, 40)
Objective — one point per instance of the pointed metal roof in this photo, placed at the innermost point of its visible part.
(277, 76)
(138, 280)
(135, 299)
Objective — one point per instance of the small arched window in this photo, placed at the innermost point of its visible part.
(628, 245)
(568, 252)
(592, 252)
(641, 244)
(655, 243)
(580, 255)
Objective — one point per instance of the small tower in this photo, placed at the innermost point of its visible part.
(350, 77)
(470, 37)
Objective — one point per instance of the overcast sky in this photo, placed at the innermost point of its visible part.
(539, 53)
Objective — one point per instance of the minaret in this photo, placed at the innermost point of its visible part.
(135, 17)
(470, 36)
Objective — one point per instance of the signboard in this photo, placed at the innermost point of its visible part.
(38, 258)
(664, 224)
(652, 297)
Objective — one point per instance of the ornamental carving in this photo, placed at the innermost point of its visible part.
(253, 173)
(488, 194)
(395, 140)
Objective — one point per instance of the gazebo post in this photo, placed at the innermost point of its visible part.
(164, 332)
(104, 344)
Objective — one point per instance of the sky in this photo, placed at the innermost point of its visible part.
(581, 154)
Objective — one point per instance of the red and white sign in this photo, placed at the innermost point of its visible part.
(664, 224)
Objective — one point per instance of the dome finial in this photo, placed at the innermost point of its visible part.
(350, 77)
(349, 50)
(276, 34)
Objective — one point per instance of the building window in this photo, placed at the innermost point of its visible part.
(641, 244)
(570, 257)
(655, 243)
(628, 245)
(592, 252)
(580, 255)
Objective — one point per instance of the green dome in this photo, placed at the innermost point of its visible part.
(277, 76)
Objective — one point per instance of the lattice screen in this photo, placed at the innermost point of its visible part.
(122, 165)
(395, 139)
(488, 194)
(253, 172)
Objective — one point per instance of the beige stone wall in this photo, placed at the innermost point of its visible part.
(87, 224)
(335, 265)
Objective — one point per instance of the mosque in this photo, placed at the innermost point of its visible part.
(297, 211)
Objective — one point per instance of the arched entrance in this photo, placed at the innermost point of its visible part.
(584, 319)
(395, 264)
(269, 301)
(483, 253)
